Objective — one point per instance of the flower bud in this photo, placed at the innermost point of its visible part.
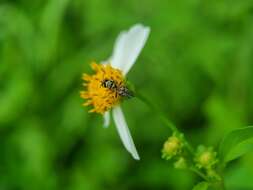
(180, 163)
(172, 147)
(205, 157)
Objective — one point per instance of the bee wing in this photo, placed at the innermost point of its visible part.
(128, 46)
(124, 132)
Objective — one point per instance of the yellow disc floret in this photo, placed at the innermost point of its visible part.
(102, 99)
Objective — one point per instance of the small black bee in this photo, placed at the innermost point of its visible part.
(120, 90)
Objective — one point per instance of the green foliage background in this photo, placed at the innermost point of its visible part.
(197, 66)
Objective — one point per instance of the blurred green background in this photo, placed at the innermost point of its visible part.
(197, 66)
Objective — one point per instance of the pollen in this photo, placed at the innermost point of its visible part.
(100, 98)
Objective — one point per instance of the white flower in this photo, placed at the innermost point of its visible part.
(126, 50)
(103, 99)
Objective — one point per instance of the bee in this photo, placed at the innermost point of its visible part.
(120, 89)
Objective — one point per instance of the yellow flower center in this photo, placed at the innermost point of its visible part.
(100, 97)
(205, 158)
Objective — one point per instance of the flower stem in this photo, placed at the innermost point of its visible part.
(173, 128)
(164, 118)
(199, 173)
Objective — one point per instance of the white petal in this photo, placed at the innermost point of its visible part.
(106, 119)
(128, 46)
(124, 132)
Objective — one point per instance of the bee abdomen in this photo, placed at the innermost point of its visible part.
(125, 92)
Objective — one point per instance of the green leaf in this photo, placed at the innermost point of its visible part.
(235, 144)
(201, 186)
(240, 149)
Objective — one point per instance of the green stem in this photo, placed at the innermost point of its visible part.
(221, 183)
(164, 118)
(173, 128)
(199, 173)
(166, 121)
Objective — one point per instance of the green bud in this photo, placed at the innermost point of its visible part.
(180, 163)
(205, 157)
(172, 147)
